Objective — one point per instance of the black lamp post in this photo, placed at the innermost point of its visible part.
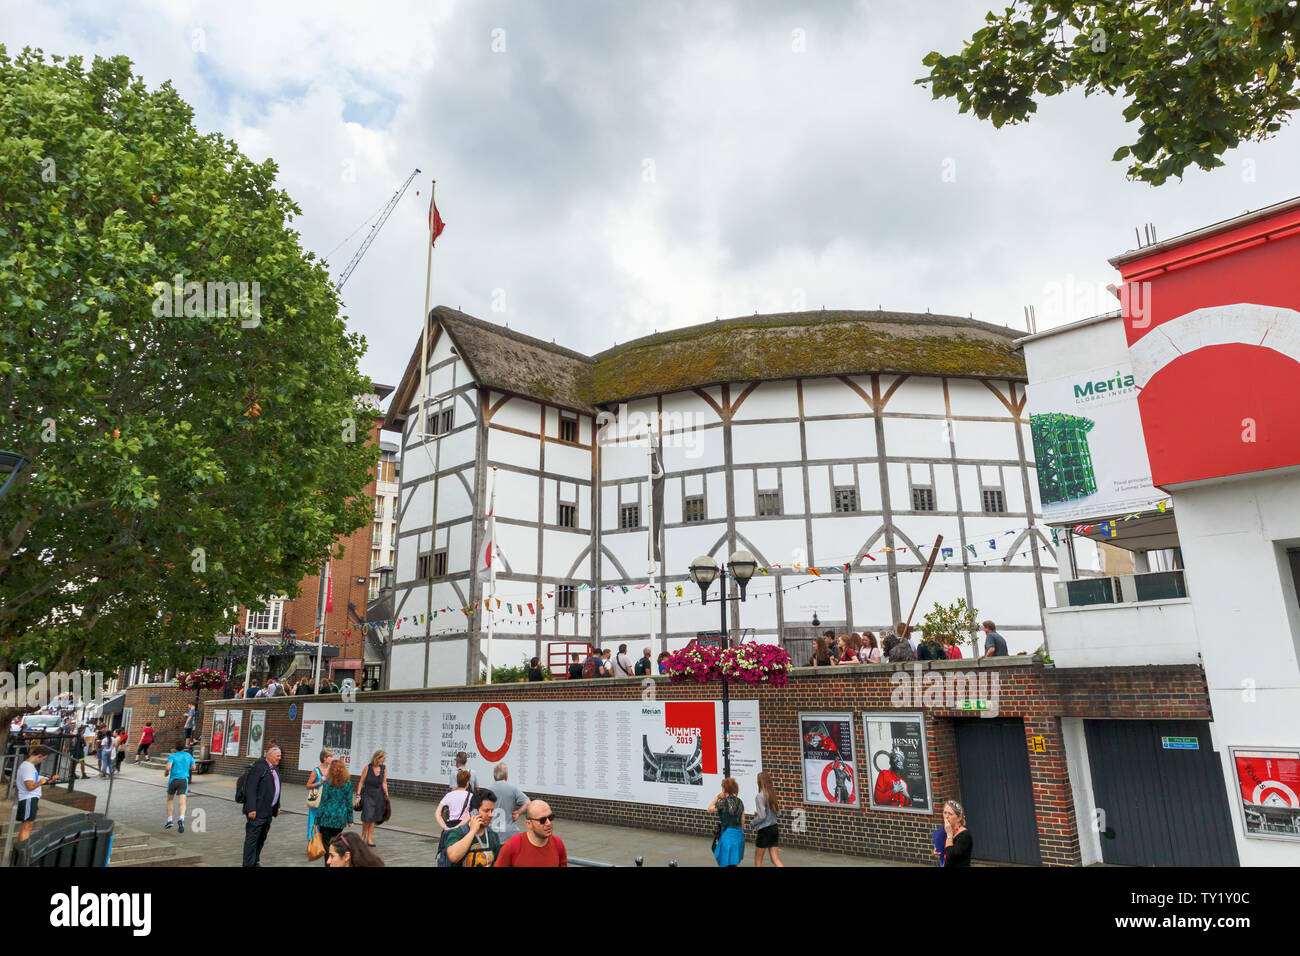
(703, 572)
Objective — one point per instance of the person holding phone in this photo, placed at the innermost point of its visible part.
(29, 782)
(474, 842)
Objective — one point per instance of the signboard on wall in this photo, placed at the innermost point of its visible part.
(1089, 451)
(217, 745)
(662, 752)
(256, 732)
(828, 759)
(233, 720)
(1268, 787)
(898, 764)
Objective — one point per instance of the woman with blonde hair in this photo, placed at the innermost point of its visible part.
(314, 782)
(372, 795)
(767, 832)
(957, 844)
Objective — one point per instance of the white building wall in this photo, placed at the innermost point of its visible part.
(1234, 537)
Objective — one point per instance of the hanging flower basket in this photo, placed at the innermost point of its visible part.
(746, 663)
(204, 677)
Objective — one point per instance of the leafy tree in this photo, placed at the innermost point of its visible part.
(949, 622)
(1201, 77)
(183, 462)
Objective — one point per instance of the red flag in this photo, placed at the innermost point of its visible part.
(436, 225)
(329, 591)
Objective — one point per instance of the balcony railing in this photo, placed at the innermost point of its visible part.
(1122, 589)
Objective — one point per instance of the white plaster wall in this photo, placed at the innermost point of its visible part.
(986, 441)
(970, 397)
(844, 438)
(829, 396)
(1123, 635)
(1234, 535)
(511, 449)
(768, 400)
(517, 413)
(447, 662)
(756, 444)
(406, 668)
(918, 394)
(918, 437)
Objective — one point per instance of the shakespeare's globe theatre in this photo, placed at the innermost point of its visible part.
(834, 445)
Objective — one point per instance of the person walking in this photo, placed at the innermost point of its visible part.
(474, 842)
(622, 666)
(104, 743)
(180, 765)
(958, 845)
(372, 792)
(191, 717)
(79, 753)
(456, 800)
(510, 801)
(146, 741)
(643, 664)
(348, 849)
(261, 803)
(462, 763)
(730, 847)
(995, 645)
(314, 781)
(537, 845)
(335, 812)
(88, 751)
(27, 784)
(767, 831)
(120, 741)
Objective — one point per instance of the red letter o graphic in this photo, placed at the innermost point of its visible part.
(478, 732)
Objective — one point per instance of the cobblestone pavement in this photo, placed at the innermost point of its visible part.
(214, 828)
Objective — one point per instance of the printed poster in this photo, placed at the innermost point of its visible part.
(233, 720)
(668, 753)
(828, 759)
(217, 746)
(1089, 452)
(1268, 783)
(898, 762)
(256, 731)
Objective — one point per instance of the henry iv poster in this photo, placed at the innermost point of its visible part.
(897, 762)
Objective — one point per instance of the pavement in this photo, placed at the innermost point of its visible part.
(214, 829)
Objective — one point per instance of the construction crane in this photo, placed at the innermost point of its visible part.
(374, 230)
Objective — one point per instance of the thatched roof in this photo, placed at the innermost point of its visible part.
(760, 347)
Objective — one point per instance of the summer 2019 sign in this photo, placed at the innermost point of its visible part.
(1268, 783)
(829, 767)
(666, 752)
(233, 721)
(897, 761)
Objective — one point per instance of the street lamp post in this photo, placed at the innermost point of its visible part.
(703, 572)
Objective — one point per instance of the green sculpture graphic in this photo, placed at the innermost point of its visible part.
(1062, 457)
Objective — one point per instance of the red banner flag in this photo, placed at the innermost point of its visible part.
(436, 225)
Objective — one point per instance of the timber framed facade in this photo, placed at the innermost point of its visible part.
(802, 438)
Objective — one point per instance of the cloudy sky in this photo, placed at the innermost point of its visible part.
(607, 170)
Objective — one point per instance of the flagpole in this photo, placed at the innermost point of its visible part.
(424, 316)
(492, 568)
(320, 619)
(650, 551)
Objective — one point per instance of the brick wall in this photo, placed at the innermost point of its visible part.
(1039, 696)
(168, 728)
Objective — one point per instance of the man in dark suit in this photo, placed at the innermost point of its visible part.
(261, 803)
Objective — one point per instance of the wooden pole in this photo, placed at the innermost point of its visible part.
(929, 566)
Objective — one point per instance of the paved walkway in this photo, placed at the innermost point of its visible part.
(215, 829)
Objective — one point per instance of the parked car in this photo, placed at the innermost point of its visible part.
(37, 725)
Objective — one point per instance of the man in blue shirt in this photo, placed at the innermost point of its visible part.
(179, 767)
(995, 645)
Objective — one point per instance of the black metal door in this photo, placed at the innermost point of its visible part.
(997, 792)
(1162, 806)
